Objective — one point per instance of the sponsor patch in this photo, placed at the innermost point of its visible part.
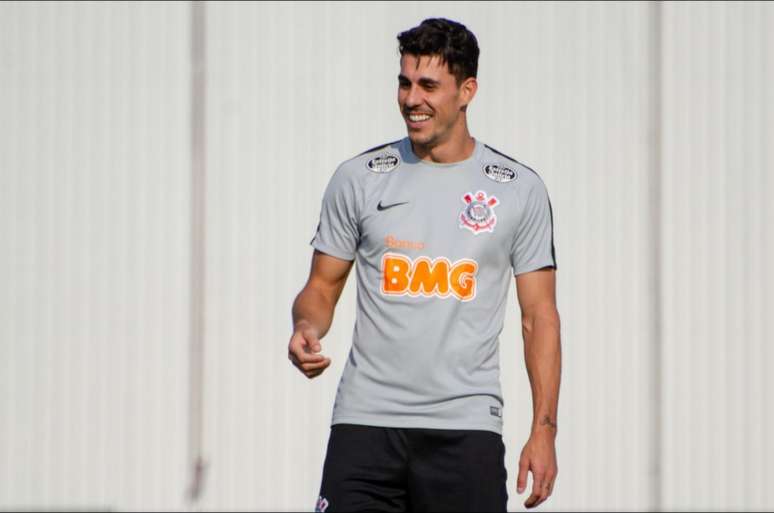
(499, 173)
(478, 214)
(321, 505)
(495, 411)
(422, 276)
(383, 163)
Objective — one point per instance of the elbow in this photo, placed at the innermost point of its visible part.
(547, 316)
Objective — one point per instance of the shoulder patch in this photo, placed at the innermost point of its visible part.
(383, 162)
(512, 160)
(500, 173)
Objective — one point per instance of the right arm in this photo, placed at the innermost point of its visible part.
(313, 312)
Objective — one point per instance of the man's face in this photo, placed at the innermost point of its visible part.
(429, 98)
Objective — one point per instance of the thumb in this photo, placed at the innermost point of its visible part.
(312, 340)
(521, 482)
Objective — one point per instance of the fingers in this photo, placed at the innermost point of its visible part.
(521, 482)
(312, 341)
(303, 352)
(303, 348)
(314, 373)
(321, 365)
(535, 498)
(312, 370)
(542, 487)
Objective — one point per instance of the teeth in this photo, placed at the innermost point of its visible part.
(418, 117)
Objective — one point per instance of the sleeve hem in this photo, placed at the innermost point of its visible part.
(334, 252)
(540, 264)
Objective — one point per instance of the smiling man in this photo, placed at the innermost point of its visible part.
(437, 223)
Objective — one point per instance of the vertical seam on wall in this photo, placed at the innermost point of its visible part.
(198, 274)
(656, 235)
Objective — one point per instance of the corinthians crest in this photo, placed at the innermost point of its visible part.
(478, 215)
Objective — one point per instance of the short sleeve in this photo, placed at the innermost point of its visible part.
(338, 231)
(533, 244)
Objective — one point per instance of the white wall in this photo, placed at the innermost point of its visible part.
(717, 247)
(94, 179)
(637, 116)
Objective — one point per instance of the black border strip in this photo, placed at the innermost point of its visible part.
(379, 147)
(550, 208)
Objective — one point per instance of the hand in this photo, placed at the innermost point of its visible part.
(303, 351)
(538, 456)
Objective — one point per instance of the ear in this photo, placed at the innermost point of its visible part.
(468, 90)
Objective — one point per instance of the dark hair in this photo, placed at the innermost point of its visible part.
(452, 41)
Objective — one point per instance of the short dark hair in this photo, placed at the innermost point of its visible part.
(452, 41)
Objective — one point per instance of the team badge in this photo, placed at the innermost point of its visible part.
(478, 215)
(499, 173)
(383, 163)
(322, 504)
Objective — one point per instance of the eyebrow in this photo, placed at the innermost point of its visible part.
(424, 81)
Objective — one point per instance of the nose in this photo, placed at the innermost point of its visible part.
(414, 97)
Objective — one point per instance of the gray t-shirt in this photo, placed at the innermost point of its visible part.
(436, 246)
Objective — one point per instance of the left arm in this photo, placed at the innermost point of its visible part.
(543, 356)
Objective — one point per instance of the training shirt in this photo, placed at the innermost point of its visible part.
(435, 248)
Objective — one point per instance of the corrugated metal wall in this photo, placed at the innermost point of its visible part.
(648, 122)
(94, 190)
(717, 249)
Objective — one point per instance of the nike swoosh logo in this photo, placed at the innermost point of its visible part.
(381, 207)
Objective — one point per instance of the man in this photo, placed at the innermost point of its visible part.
(437, 222)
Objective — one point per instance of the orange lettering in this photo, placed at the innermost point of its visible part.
(396, 273)
(463, 281)
(426, 279)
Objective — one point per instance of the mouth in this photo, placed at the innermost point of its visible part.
(417, 120)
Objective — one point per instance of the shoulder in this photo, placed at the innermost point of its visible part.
(381, 147)
(355, 172)
(380, 159)
(503, 168)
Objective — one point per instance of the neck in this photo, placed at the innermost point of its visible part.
(457, 147)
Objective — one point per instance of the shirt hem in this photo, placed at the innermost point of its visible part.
(393, 422)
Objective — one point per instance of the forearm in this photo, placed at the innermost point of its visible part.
(314, 308)
(543, 357)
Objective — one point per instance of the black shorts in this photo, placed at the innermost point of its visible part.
(408, 469)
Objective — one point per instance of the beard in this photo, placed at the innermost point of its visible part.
(429, 138)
